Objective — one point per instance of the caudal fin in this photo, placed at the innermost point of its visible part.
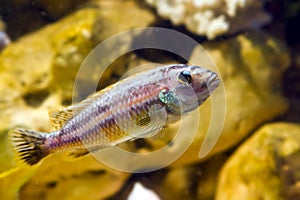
(29, 145)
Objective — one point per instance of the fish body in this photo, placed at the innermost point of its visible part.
(138, 106)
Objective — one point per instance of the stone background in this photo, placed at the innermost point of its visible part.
(257, 155)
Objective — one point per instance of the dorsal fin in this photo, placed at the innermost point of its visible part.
(79, 152)
(59, 117)
(139, 69)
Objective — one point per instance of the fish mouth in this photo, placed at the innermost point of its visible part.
(212, 82)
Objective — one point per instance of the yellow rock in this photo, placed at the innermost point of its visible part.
(84, 178)
(37, 73)
(190, 181)
(28, 67)
(266, 166)
(13, 179)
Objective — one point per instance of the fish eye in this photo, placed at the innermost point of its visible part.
(185, 77)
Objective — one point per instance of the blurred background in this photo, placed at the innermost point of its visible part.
(254, 44)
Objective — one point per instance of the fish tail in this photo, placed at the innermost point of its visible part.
(29, 145)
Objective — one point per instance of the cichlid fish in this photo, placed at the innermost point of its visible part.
(136, 107)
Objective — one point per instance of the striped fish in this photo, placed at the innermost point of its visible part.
(137, 107)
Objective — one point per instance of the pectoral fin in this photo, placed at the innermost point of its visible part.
(150, 123)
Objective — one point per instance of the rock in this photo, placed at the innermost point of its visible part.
(110, 23)
(208, 178)
(46, 68)
(196, 181)
(28, 70)
(213, 18)
(251, 67)
(165, 183)
(37, 73)
(84, 178)
(188, 182)
(12, 180)
(6, 154)
(139, 191)
(182, 189)
(266, 166)
(27, 82)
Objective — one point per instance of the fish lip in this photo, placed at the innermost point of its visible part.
(212, 82)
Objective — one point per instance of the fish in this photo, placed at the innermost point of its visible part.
(138, 106)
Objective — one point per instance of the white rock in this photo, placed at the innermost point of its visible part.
(140, 192)
(213, 17)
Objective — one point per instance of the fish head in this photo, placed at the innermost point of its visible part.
(188, 87)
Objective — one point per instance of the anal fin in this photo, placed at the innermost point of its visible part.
(149, 123)
(76, 153)
(79, 152)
